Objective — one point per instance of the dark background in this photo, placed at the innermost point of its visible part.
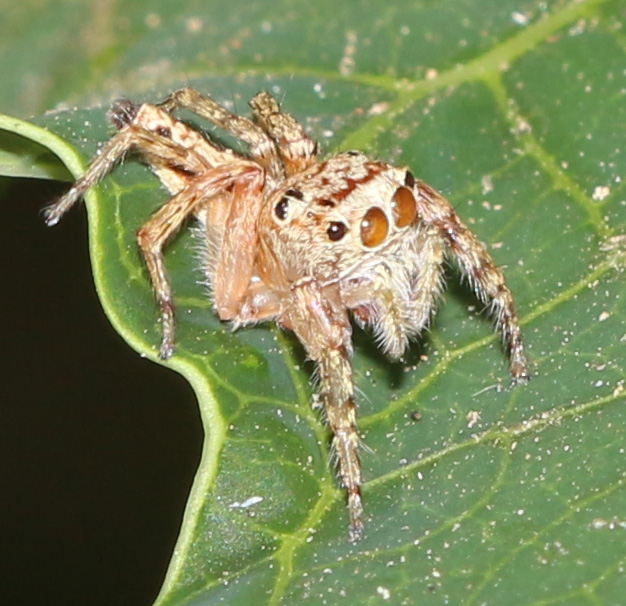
(98, 447)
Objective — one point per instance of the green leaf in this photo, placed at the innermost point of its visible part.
(517, 112)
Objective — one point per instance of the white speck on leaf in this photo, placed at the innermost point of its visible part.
(378, 108)
(487, 184)
(193, 25)
(247, 503)
(473, 417)
(519, 18)
(600, 192)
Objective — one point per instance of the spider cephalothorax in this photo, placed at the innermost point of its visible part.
(306, 243)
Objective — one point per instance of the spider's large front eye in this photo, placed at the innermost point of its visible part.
(374, 227)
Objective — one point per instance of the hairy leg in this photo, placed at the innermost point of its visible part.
(262, 147)
(478, 265)
(324, 329)
(297, 150)
(173, 151)
(153, 235)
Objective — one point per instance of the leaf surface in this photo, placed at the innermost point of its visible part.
(516, 112)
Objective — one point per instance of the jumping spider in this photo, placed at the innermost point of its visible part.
(306, 243)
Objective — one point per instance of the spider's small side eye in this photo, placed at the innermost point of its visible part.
(409, 179)
(404, 208)
(374, 227)
(337, 230)
(164, 131)
(282, 208)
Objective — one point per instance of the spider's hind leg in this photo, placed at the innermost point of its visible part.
(110, 154)
(147, 130)
(297, 150)
(262, 147)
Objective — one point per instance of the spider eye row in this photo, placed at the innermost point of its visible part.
(374, 227)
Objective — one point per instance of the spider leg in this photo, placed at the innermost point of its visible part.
(298, 151)
(112, 152)
(172, 150)
(477, 264)
(238, 250)
(153, 235)
(262, 147)
(322, 325)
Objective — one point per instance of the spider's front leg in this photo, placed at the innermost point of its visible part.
(484, 275)
(323, 327)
